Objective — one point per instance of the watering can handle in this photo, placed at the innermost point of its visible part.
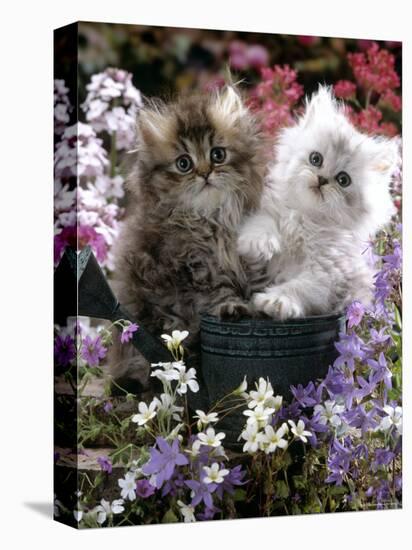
(96, 299)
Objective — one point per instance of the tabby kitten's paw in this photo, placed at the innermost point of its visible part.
(232, 310)
(278, 304)
(258, 247)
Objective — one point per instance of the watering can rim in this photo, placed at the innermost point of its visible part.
(267, 322)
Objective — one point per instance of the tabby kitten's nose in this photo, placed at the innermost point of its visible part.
(204, 174)
(322, 180)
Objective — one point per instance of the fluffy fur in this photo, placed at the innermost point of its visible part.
(177, 256)
(311, 231)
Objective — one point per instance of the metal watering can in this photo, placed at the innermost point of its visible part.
(286, 352)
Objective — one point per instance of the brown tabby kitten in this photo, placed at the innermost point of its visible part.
(199, 171)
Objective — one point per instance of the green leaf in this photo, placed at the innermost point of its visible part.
(299, 482)
(170, 517)
(239, 495)
(398, 318)
(338, 490)
(281, 489)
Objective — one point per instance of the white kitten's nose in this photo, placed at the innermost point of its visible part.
(322, 180)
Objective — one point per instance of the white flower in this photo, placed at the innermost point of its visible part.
(63, 197)
(218, 452)
(272, 440)
(174, 341)
(195, 448)
(96, 108)
(263, 392)
(187, 380)
(299, 431)
(205, 419)
(329, 412)
(78, 514)
(213, 474)
(145, 414)
(252, 437)
(166, 405)
(175, 433)
(105, 509)
(344, 430)
(259, 415)
(166, 376)
(241, 390)
(187, 511)
(211, 438)
(128, 486)
(274, 402)
(168, 373)
(393, 418)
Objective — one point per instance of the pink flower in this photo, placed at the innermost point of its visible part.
(93, 350)
(257, 56)
(307, 40)
(275, 97)
(105, 464)
(238, 55)
(355, 313)
(345, 89)
(392, 100)
(214, 83)
(364, 44)
(388, 129)
(368, 120)
(242, 56)
(78, 237)
(127, 333)
(374, 70)
(392, 44)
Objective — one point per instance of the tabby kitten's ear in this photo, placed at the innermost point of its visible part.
(153, 123)
(228, 107)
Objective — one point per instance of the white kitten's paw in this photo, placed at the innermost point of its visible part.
(277, 304)
(262, 246)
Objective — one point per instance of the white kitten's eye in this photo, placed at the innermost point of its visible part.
(184, 164)
(316, 159)
(218, 155)
(343, 179)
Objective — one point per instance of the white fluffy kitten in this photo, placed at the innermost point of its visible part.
(327, 193)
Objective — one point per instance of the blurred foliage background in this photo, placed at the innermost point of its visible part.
(165, 61)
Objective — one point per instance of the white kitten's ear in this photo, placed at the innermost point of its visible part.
(386, 155)
(152, 123)
(321, 104)
(228, 106)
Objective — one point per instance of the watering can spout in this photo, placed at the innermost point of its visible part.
(96, 299)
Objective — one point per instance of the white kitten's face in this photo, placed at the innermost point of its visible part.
(330, 171)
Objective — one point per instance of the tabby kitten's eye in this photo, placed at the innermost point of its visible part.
(343, 179)
(316, 159)
(218, 155)
(184, 164)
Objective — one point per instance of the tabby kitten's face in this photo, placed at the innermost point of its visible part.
(202, 153)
